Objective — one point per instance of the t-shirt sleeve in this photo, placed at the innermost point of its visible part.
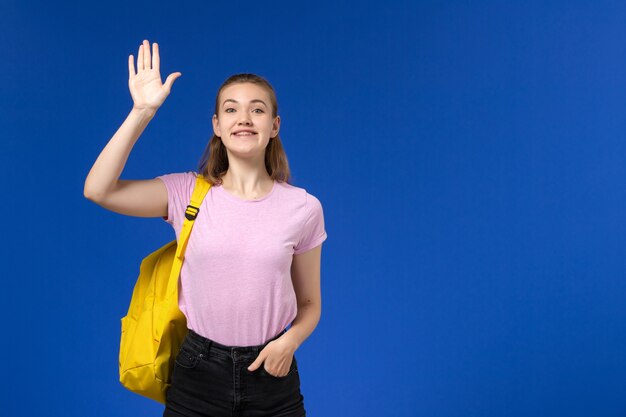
(313, 231)
(179, 188)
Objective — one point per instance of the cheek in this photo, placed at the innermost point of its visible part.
(223, 124)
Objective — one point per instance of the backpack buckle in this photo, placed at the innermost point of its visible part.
(191, 212)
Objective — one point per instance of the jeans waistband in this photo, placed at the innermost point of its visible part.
(211, 344)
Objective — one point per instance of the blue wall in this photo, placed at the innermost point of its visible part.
(469, 156)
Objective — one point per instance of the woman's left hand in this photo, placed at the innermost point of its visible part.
(277, 356)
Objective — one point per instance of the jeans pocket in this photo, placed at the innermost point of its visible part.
(292, 368)
(187, 357)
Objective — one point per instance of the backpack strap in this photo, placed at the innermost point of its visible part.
(200, 190)
(191, 212)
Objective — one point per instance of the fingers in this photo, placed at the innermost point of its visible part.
(140, 59)
(256, 363)
(144, 60)
(146, 55)
(131, 67)
(156, 59)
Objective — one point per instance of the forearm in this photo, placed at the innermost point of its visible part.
(107, 169)
(303, 325)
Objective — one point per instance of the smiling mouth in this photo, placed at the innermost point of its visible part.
(245, 134)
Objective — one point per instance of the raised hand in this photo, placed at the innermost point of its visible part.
(145, 85)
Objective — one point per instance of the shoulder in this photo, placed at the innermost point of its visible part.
(299, 196)
(179, 180)
(311, 216)
(180, 176)
(179, 189)
(302, 201)
(296, 192)
(291, 189)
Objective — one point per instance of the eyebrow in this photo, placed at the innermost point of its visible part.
(256, 100)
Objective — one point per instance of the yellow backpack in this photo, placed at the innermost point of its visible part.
(154, 328)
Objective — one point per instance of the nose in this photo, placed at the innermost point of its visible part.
(245, 119)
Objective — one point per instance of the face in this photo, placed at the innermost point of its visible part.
(245, 107)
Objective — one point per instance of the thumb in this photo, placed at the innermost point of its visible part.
(170, 80)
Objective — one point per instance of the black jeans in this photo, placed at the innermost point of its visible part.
(212, 380)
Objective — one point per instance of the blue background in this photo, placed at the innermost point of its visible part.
(469, 157)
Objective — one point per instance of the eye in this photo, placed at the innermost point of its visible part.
(260, 110)
(230, 108)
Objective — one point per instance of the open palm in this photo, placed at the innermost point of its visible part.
(145, 85)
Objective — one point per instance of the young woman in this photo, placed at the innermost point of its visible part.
(252, 264)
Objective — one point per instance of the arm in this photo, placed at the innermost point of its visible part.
(104, 175)
(305, 275)
(148, 94)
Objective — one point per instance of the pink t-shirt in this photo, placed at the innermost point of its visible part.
(235, 283)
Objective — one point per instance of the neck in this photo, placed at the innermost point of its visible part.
(247, 178)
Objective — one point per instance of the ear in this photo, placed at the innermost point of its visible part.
(216, 126)
(275, 127)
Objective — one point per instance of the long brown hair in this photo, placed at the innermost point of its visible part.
(214, 161)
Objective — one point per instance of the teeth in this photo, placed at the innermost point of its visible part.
(244, 134)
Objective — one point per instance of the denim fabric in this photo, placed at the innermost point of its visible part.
(212, 380)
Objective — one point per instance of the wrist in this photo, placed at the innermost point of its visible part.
(291, 339)
(144, 113)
